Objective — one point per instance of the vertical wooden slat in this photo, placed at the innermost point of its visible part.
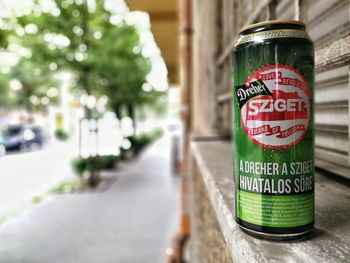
(185, 23)
(349, 102)
(185, 30)
(235, 18)
(300, 7)
(225, 77)
(349, 120)
(205, 48)
(271, 11)
(176, 253)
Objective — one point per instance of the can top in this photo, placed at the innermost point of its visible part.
(272, 22)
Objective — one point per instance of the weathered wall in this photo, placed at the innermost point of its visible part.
(216, 26)
(205, 48)
(207, 241)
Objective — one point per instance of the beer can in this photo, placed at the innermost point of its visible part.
(273, 130)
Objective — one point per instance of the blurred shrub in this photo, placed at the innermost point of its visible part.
(139, 142)
(107, 161)
(61, 135)
(81, 165)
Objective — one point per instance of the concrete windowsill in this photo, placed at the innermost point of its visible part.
(329, 242)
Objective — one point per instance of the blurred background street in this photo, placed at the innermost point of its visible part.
(90, 131)
(23, 175)
(131, 221)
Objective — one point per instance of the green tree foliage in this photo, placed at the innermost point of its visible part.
(5, 99)
(36, 81)
(3, 38)
(79, 36)
(121, 68)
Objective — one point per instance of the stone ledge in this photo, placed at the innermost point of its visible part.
(330, 242)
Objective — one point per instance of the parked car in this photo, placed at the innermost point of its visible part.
(20, 137)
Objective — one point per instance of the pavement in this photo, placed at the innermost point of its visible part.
(132, 221)
(29, 174)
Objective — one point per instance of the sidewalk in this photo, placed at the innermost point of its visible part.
(131, 222)
(25, 175)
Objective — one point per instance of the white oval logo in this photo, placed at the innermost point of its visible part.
(281, 118)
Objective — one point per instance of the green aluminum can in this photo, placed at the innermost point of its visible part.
(273, 111)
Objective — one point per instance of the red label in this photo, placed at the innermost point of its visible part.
(279, 120)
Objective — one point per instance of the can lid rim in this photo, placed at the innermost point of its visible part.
(272, 22)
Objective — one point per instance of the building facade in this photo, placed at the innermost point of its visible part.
(215, 27)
